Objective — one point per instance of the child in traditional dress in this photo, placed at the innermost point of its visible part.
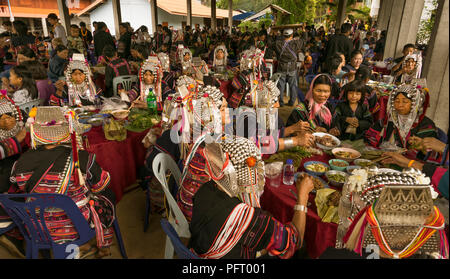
(352, 116)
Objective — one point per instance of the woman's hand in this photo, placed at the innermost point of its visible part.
(335, 132)
(140, 104)
(433, 144)
(304, 185)
(416, 143)
(21, 135)
(395, 158)
(304, 139)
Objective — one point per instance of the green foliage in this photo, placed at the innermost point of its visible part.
(426, 27)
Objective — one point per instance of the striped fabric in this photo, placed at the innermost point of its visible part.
(59, 224)
(9, 147)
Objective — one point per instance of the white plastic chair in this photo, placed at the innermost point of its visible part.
(126, 81)
(26, 107)
(161, 164)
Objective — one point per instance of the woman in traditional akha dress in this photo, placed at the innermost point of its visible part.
(51, 167)
(78, 89)
(225, 221)
(150, 78)
(406, 120)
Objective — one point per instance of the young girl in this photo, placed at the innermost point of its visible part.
(352, 117)
(25, 87)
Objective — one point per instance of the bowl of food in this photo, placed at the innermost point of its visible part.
(336, 178)
(120, 114)
(338, 164)
(364, 163)
(316, 168)
(349, 169)
(346, 154)
(326, 141)
(95, 121)
(318, 182)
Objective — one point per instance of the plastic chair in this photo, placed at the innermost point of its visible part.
(126, 82)
(26, 107)
(27, 213)
(161, 164)
(180, 249)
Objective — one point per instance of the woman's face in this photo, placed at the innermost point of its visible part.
(149, 78)
(354, 97)
(14, 79)
(186, 57)
(78, 77)
(64, 54)
(402, 104)
(410, 64)
(356, 61)
(321, 93)
(219, 54)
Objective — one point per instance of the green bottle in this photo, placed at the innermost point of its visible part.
(151, 101)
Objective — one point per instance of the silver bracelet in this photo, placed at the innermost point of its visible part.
(288, 143)
(299, 207)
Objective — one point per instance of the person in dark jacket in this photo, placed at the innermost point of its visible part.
(341, 42)
(58, 63)
(116, 67)
(102, 39)
(124, 41)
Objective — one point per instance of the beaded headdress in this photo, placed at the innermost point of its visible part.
(7, 106)
(50, 127)
(364, 186)
(417, 57)
(235, 164)
(251, 60)
(86, 90)
(165, 61)
(264, 95)
(399, 223)
(418, 108)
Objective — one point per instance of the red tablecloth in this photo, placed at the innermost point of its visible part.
(383, 71)
(120, 159)
(280, 203)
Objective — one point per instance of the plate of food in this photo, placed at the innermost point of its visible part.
(319, 183)
(326, 141)
(346, 154)
(120, 114)
(338, 164)
(336, 178)
(316, 168)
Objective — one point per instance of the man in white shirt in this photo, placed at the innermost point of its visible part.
(58, 29)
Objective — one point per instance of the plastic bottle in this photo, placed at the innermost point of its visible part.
(151, 101)
(288, 172)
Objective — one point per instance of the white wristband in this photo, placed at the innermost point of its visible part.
(299, 207)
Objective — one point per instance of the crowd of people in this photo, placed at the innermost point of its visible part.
(223, 179)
